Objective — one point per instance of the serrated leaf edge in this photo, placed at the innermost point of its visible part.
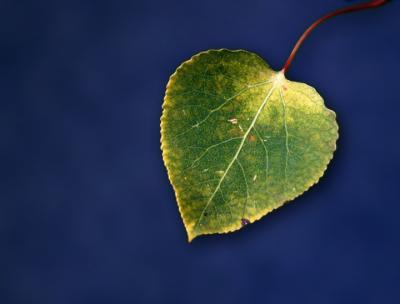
(164, 149)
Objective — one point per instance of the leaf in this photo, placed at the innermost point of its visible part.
(240, 140)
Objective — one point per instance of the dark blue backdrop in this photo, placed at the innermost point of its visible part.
(87, 214)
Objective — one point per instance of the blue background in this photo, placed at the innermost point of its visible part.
(87, 214)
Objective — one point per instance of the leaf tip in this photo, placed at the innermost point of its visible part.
(191, 235)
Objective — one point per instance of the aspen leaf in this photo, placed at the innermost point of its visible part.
(239, 139)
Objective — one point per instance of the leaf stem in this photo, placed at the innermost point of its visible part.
(352, 8)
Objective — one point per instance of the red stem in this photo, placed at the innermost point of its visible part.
(352, 8)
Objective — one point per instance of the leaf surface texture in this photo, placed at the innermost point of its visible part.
(240, 140)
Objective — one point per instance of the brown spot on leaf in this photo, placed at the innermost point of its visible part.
(252, 138)
(245, 222)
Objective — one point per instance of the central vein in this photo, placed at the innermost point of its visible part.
(237, 152)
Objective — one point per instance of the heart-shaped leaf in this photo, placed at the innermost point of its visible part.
(240, 140)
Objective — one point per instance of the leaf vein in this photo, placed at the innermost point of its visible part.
(286, 133)
(266, 154)
(236, 154)
(227, 100)
(247, 187)
(196, 161)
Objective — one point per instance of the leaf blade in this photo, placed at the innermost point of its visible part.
(211, 100)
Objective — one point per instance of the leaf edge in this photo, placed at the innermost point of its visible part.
(191, 235)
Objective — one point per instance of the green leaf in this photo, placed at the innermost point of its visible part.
(240, 140)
